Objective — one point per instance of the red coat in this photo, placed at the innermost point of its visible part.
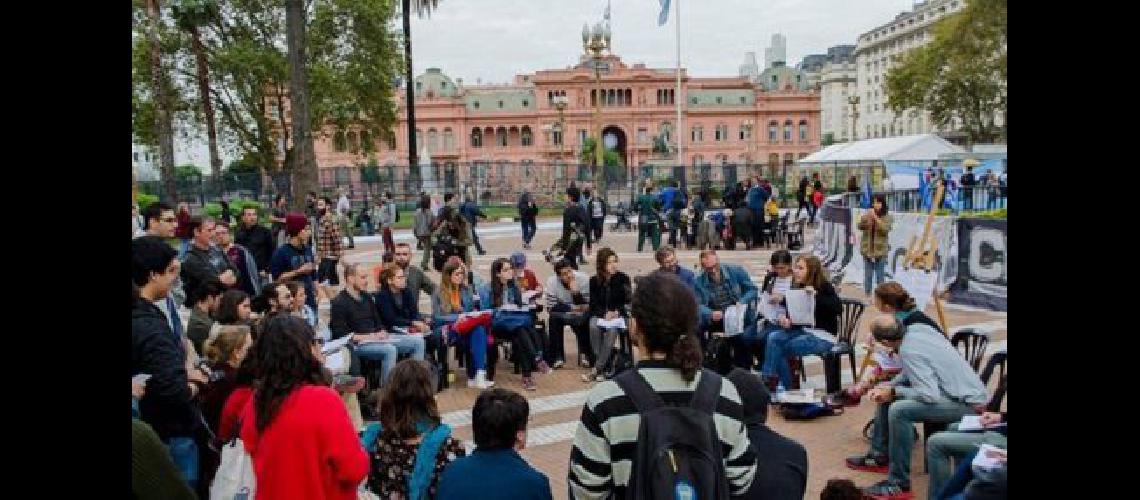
(310, 450)
(234, 408)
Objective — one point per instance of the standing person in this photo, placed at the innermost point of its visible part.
(387, 219)
(755, 200)
(876, 226)
(456, 227)
(648, 219)
(606, 446)
(610, 294)
(802, 196)
(410, 446)
(168, 404)
(452, 303)
(968, 182)
(528, 212)
(421, 228)
(472, 213)
(354, 312)
(852, 184)
(182, 230)
(495, 470)
(204, 261)
(574, 223)
(227, 215)
(137, 222)
(257, 239)
(584, 201)
(344, 217)
(816, 196)
(568, 300)
(365, 217)
(311, 205)
(277, 219)
(249, 279)
(1002, 185)
(792, 339)
(597, 210)
(297, 432)
(698, 215)
(993, 185)
(782, 463)
(294, 260)
(527, 345)
(330, 246)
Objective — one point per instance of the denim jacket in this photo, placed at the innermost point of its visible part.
(466, 300)
(741, 284)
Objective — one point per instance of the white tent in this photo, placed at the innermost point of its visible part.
(921, 147)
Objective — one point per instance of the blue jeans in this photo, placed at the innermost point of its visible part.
(898, 417)
(476, 341)
(745, 344)
(956, 485)
(792, 342)
(529, 228)
(876, 266)
(951, 444)
(184, 453)
(367, 226)
(388, 352)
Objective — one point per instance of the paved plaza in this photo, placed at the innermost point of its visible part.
(556, 405)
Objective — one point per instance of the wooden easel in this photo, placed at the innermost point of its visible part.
(920, 255)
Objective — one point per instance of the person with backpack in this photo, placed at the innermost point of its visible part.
(574, 227)
(410, 446)
(597, 210)
(648, 219)
(636, 428)
(610, 294)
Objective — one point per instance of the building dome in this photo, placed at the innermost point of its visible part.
(434, 83)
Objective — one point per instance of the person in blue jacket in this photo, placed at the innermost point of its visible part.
(757, 197)
(454, 300)
(719, 286)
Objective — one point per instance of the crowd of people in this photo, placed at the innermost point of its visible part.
(256, 363)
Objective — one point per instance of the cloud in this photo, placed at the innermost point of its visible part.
(497, 39)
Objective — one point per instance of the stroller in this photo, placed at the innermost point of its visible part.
(623, 221)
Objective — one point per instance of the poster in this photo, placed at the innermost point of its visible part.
(982, 276)
(918, 283)
(908, 226)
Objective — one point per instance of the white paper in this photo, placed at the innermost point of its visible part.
(734, 320)
(970, 423)
(335, 362)
(335, 345)
(801, 307)
(805, 395)
(768, 310)
(983, 461)
(530, 295)
(919, 284)
(618, 323)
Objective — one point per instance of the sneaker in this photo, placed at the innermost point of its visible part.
(869, 462)
(528, 384)
(844, 398)
(589, 377)
(480, 381)
(542, 367)
(559, 363)
(887, 489)
(583, 361)
(348, 384)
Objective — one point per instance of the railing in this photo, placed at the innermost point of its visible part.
(963, 199)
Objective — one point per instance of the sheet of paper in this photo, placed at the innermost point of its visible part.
(529, 295)
(768, 310)
(805, 395)
(801, 307)
(618, 323)
(970, 423)
(335, 362)
(919, 284)
(335, 345)
(983, 460)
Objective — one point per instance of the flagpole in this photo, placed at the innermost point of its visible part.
(679, 97)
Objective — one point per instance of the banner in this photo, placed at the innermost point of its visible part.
(981, 277)
(833, 246)
(908, 226)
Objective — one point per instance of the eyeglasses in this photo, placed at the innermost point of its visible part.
(400, 276)
(168, 219)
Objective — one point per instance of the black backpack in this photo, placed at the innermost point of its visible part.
(442, 249)
(678, 453)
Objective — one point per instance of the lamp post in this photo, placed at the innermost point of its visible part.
(560, 102)
(595, 41)
(854, 102)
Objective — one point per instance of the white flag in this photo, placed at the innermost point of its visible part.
(664, 15)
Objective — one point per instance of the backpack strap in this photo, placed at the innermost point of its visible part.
(707, 392)
(642, 395)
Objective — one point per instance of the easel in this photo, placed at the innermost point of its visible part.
(919, 255)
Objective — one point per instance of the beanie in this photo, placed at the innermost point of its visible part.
(294, 223)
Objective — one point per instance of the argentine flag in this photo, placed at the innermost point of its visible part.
(664, 15)
(865, 202)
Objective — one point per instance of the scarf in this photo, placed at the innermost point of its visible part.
(431, 442)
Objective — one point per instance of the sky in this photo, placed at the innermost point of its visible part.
(494, 40)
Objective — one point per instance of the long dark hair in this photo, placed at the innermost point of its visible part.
(882, 199)
(603, 256)
(666, 316)
(498, 289)
(286, 362)
(409, 397)
(228, 306)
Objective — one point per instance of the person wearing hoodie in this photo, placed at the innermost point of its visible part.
(528, 212)
(168, 404)
(781, 463)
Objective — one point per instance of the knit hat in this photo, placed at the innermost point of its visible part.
(518, 259)
(754, 396)
(294, 223)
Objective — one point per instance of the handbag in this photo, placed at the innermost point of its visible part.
(508, 320)
(464, 325)
(234, 479)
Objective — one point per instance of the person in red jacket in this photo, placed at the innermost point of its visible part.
(296, 429)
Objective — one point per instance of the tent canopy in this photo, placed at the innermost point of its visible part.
(921, 147)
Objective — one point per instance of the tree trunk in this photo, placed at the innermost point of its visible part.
(410, 85)
(305, 161)
(207, 104)
(163, 120)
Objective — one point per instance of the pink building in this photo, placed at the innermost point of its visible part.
(507, 135)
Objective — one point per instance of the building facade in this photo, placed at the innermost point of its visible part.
(880, 49)
(507, 134)
(834, 75)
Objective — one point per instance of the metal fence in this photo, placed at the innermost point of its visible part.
(964, 199)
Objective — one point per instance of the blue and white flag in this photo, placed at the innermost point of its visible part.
(924, 191)
(865, 202)
(664, 15)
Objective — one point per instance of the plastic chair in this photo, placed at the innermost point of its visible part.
(849, 318)
(974, 342)
(998, 360)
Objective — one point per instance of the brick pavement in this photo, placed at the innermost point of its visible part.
(556, 404)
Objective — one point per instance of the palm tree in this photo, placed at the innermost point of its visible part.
(190, 15)
(422, 7)
(163, 117)
(303, 159)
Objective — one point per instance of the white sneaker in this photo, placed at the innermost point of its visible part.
(480, 381)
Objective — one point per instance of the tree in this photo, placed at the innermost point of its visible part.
(961, 74)
(162, 112)
(422, 7)
(190, 16)
(610, 158)
(304, 160)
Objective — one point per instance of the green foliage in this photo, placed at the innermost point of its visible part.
(961, 74)
(187, 172)
(145, 200)
(370, 173)
(246, 165)
(610, 158)
(828, 139)
(213, 210)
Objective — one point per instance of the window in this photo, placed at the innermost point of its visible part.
(500, 104)
(721, 132)
(476, 138)
(526, 103)
(340, 145)
(743, 100)
(527, 136)
(628, 97)
(448, 140)
(353, 142)
(773, 159)
(746, 132)
(698, 160)
(136, 155)
(789, 158)
(693, 100)
(642, 136)
(501, 137)
(392, 140)
(803, 130)
(557, 136)
(433, 140)
(718, 100)
(698, 133)
(581, 136)
(788, 131)
(475, 104)
(773, 131)
(667, 129)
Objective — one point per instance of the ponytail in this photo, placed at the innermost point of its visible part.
(687, 356)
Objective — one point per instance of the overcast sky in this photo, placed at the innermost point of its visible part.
(497, 39)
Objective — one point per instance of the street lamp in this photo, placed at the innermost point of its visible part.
(854, 102)
(560, 102)
(595, 41)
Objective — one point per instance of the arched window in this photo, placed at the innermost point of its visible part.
(433, 140)
(419, 139)
(366, 142)
(448, 140)
(803, 131)
(721, 132)
(501, 137)
(698, 133)
(476, 138)
(788, 131)
(339, 142)
(698, 160)
(789, 158)
(773, 131)
(527, 136)
(628, 97)
(353, 142)
(722, 159)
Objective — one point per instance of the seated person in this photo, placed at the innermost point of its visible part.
(495, 471)
(353, 312)
(567, 299)
(398, 304)
(936, 385)
(204, 299)
(794, 340)
(527, 280)
(301, 309)
(976, 483)
(234, 308)
(666, 258)
(952, 444)
(776, 283)
(504, 293)
(781, 463)
(610, 295)
(453, 301)
(719, 286)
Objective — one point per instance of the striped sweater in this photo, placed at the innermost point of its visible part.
(606, 440)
